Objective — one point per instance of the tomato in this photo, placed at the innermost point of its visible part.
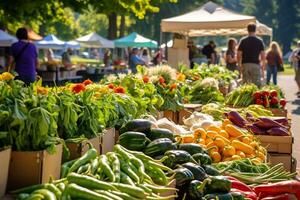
(274, 101)
(257, 95)
(111, 86)
(266, 93)
(273, 93)
(259, 101)
(282, 102)
(161, 80)
(146, 79)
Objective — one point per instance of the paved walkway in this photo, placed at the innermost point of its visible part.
(289, 87)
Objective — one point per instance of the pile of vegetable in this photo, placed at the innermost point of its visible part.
(227, 142)
(241, 96)
(277, 126)
(269, 99)
(118, 175)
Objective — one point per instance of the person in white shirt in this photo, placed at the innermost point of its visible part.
(145, 56)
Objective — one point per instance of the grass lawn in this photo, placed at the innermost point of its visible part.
(288, 70)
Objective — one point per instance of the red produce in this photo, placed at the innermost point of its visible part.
(240, 186)
(273, 93)
(278, 131)
(274, 101)
(266, 93)
(237, 119)
(259, 101)
(282, 102)
(257, 95)
(285, 196)
(249, 195)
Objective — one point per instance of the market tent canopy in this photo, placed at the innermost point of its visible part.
(72, 44)
(93, 40)
(135, 40)
(50, 42)
(6, 39)
(261, 29)
(209, 19)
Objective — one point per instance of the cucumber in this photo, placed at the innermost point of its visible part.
(157, 133)
(138, 125)
(191, 148)
(159, 147)
(135, 141)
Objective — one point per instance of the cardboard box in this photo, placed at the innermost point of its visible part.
(172, 184)
(172, 116)
(187, 111)
(4, 166)
(79, 149)
(276, 144)
(33, 167)
(286, 159)
(117, 134)
(107, 141)
(279, 112)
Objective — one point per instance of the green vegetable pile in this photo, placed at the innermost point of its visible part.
(254, 174)
(121, 174)
(241, 96)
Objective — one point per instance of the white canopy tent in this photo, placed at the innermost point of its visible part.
(210, 20)
(6, 39)
(93, 40)
(50, 42)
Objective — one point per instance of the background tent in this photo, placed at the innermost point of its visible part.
(72, 44)
(135, 40)
(6, 39)
(93, 40)
(50, 42)
(209, 19)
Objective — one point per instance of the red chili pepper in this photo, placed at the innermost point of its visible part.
(291, 186)
(285, 196)
(249, 195)
(240, 186)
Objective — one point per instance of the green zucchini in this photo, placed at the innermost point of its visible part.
(159, 147)
(202, 159)
(210, 170)
(135, 141)
(183, 176)
(191, 148)
(175, 157)
(198, 171)
(217, 184)
(157, 133)
(138, 125)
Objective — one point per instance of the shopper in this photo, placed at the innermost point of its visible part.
(135, 60)
(157, 60)
(231, 60)
(295, 58)
(24, 57)
(66, 58)
(210, 53)
(251, 57)
(107, 58)
(274, 61)
(145, 56)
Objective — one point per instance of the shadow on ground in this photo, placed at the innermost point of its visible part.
(297, 110)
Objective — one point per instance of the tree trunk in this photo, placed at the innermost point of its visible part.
(112, 26)
(122, 26)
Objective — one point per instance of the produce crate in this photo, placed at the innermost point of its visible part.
(4, 166)
(107, 141)
(78, 149)
(117, 134)
(187, 111)
(172, 184)
(279, 112)
(286, 159)
(160, 115)
(172, 116)
(33, 167)
(276, 144)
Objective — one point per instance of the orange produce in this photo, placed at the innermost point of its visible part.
(224, 134)
(223, 138)
(246, 140)
(242, 146)
(187, 138)
(225, 122)
(216, 157)
(229, 151)
(233, 131)
(236, 157)
(254, 145)
(200, 133)
(220, 142)
(211, 134)
(241, 154)
(213, 127)
(201, 141)
(208, 140)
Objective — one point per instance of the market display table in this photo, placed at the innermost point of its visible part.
(59, 77)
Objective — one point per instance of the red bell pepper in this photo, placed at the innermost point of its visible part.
(291, 186)
(240, 186)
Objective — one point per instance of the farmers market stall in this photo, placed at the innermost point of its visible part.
(93, 40)
(107, 140)
(135, 40)
(6, 39)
